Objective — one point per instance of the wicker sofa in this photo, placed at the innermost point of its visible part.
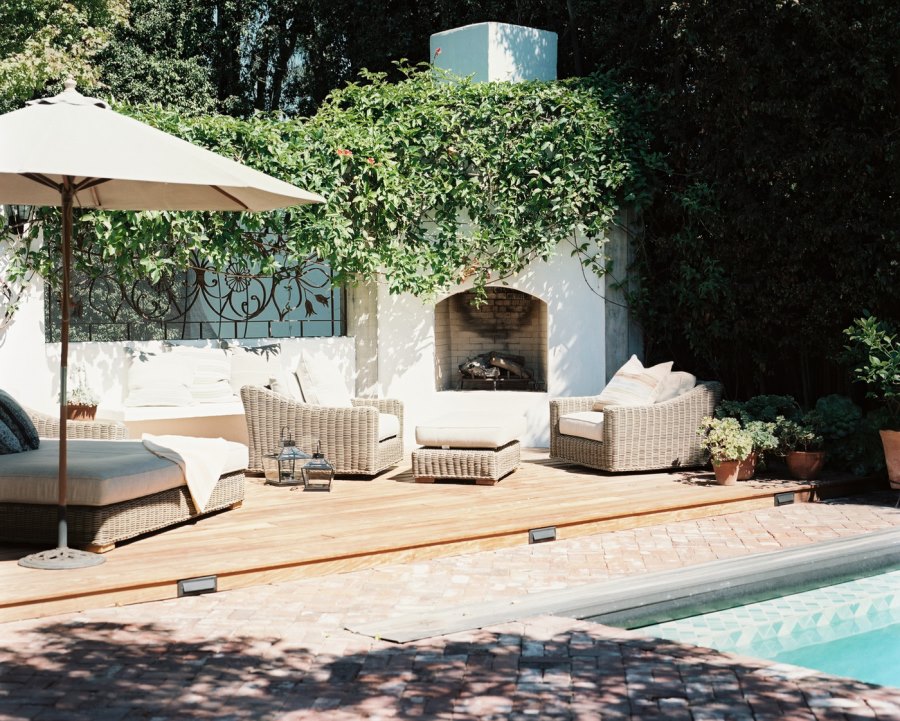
(637, 438)
(99, 528)
(349, 436)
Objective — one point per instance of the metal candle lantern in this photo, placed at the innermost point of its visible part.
(318, 473)
(287, 461)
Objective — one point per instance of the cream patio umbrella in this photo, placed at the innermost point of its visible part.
(72, 150)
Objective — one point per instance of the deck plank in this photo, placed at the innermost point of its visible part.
(279, 534)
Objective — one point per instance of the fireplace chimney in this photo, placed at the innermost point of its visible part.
(491, 52)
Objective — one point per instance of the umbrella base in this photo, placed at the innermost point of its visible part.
(60, 559)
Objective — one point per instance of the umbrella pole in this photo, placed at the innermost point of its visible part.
(63, 557)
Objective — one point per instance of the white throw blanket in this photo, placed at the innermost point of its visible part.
(202, 461)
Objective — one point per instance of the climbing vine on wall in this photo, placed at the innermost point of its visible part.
(429, 181)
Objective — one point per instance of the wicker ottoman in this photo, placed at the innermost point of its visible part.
(460, 447)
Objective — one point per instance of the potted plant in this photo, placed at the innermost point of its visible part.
(764, 441)
(875, 347)
(728, 445)
(758, 415)
(81, 400)
(802, 448)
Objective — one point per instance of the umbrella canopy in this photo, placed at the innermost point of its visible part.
(70, 150)
(134, 166)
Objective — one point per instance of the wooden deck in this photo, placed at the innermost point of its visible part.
(280, 534)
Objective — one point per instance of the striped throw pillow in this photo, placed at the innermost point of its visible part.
(633, 385)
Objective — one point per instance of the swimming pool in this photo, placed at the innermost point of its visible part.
(848, 629)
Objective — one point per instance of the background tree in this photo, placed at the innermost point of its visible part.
(42, 41)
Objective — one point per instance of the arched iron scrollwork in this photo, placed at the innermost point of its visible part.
(202, 302)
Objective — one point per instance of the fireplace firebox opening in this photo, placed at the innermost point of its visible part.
(500, 344)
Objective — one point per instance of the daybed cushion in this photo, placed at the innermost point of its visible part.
(675, 384)
(586, 424)
(633, 385)
(19, 423)
(464, 430)
(99, 472)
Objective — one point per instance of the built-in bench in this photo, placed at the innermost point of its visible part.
(164, 399)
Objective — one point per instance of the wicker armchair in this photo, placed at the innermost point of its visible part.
(638, 438)
(48, 427)
(349, 436)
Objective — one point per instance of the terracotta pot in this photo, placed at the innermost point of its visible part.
(891, 442)
(727, 472)
(80, 412)
(747, 467)
(805, 465)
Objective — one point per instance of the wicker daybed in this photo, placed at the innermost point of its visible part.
(637, 438)
(99, 528)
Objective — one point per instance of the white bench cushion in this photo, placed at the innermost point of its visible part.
(99, 472)
(388, 426)
(470, 431)
(586, 424)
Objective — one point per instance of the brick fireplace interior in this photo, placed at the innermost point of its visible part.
(510, 321)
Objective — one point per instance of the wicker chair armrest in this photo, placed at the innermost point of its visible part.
(680, 415)
(48, 427)
(384, 405)
(573, 404)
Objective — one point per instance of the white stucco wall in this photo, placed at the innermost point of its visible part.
(575, 354)
(24, 370)
(496, 52)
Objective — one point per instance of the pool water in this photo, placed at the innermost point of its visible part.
(849, 629)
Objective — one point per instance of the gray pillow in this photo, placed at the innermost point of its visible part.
(9, 443)
(17, 421)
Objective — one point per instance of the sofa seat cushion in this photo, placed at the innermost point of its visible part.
(586, 424)
(99, 472)
(388, 426)
(464, 430)
(158, 413)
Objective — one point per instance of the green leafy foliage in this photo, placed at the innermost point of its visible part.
(796, 436)
(43, 41)
(835, 417)
(766, 408)
(429, 182)
(874, 352)
(779, 220)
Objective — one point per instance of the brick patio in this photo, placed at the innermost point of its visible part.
(282, 651)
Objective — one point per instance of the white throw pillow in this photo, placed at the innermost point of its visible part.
(675, 384)
(322, 383)
(633, 385)
(286, 384)
(212, 373)
(159, 380)
(254, 366)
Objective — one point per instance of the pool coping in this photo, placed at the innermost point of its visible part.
(660, 596)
